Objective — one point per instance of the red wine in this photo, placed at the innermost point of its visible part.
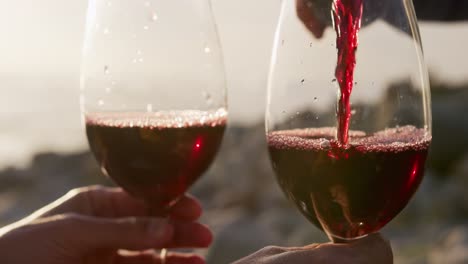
(349, 191)
(156, 156)
(347, 15)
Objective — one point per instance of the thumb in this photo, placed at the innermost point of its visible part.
(375, 248)
(84, 233)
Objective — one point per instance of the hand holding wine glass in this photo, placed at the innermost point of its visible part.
(153, 95)
(92, 225)
(312, 12)
(370, 250)
(315, 13)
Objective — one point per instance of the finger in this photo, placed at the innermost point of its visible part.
(180, 258)
(115, 202)
(368, 250)
(308, 247)
(103, 256)
(371, 239)
(187, 208)
(319, 254)
(305, 12)
(142, 258)
(378, 247)
(154, 258)
(108, 202)
(88, 233)
(190, 235)
(95, 201)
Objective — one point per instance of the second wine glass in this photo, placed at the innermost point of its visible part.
(153, 94)
(351, 185)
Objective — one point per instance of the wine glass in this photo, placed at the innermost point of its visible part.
(349, 166)
(153, 94)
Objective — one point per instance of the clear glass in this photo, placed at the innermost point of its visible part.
(157, 54)
(153, 94)
(391, 91)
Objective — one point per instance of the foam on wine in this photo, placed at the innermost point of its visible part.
(354, 190)
(156, 156)
(159, 120)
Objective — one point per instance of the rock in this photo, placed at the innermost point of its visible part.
(241, 173)
(49, 176)
(240, 238)
(243, 203)
(288, 223)
(452, 249)
(450, 127)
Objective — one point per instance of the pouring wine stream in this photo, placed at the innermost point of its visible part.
(347, 15)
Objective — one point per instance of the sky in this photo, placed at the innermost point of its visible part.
(46, 36)
(40, 52)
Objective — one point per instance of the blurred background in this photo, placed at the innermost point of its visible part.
(43, 149)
